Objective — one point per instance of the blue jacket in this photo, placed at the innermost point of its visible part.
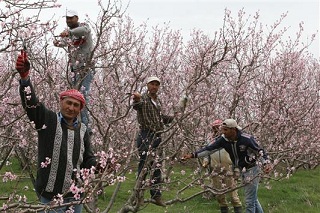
(244, 152)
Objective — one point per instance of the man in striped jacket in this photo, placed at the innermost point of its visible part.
(63, 142)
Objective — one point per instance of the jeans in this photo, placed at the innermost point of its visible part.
(251, 190)
(75, 208)
(84, 88)
(145, 139)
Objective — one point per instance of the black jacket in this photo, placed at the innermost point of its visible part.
(68, 149)
(243, 153)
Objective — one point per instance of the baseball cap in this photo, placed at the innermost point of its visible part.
(230, 123)
(71, 13)
(153, 78)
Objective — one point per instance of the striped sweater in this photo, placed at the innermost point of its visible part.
(67, 148)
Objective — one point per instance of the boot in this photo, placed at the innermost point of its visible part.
(224, 209)
(159, 202)
(237, 209)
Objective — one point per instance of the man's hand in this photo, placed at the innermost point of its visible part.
(187, 156)
(267, 168)
(205, 163)
(65, 34)
(236, 173)
(136, 96)
(56, 43)
(23, 65)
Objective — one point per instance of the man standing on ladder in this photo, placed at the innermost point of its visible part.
(78, 39)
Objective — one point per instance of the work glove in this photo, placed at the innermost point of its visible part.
(23, 65)
(205, 163)
(267, 168)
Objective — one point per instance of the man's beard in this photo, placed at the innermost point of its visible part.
(71, 25)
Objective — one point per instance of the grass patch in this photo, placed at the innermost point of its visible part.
(300, 193)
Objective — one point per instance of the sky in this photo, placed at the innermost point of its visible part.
(207, 15)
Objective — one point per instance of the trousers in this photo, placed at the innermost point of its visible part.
(148, 141)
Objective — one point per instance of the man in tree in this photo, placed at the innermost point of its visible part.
(78, 39)
(151, 123)
(221, 167)
(64, 146)
(245, 154)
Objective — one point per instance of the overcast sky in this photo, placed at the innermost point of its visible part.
(207, 15)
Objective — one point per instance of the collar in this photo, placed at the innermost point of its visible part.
(226, 139)
(148, 94)
(238, 136)
(63, 120)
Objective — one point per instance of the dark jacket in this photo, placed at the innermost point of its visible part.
(243, 153)
(67, 148)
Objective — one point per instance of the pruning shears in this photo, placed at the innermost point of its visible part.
(24, 45)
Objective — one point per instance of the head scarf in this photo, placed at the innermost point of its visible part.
(73, 93)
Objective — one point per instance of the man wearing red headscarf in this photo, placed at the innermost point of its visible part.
(62, 139)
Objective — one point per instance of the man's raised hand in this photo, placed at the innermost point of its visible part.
(23, 65)
(187, 156)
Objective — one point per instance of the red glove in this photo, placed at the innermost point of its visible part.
(23, 65)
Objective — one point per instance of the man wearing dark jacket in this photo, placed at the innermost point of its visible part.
(63, 142)
(245, 154)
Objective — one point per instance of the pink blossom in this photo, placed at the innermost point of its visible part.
(77, 196)
(8, 176)
(74, 188)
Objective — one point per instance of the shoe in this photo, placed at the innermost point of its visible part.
(159, 202)
(237, 209)
(224, 209)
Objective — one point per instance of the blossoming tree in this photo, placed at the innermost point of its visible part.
(270, 85)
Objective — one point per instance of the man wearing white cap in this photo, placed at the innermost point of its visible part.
(245, 154)
(221, 165)
(151, 123)
(78, 39)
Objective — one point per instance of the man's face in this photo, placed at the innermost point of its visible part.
(229, 133)
(70, 108)
(153, 87)
(72, 22)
